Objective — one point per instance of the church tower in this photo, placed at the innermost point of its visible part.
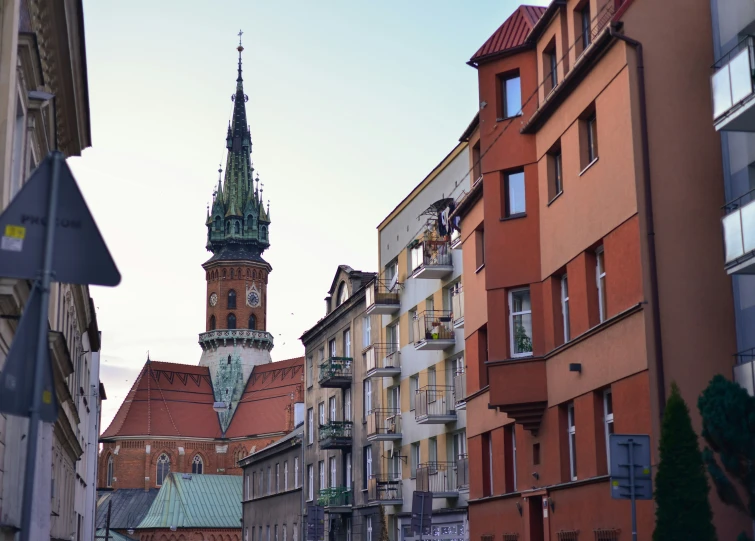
(236, 338)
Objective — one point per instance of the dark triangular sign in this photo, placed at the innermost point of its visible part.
(80, 255)
(17, 377)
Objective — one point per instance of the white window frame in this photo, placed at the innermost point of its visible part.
(572, 435)
(333, 472)
(608, 422)
(349, 479)
(368, 461)
(332, 408)
(296, 472)
(414, 458)
(285, 475)
(512, 315)
(369, 528)
(513, 452)
(600, 279)
(347, 405)
(311, 482)
(565, 307)
(321, 474)
(110, 470)
(332, 347)
(366, 332)
(310, 426)
(321, 413)
(277, 477)
(347, 343)
(367, 398)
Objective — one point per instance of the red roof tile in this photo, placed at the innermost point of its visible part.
(512, 33)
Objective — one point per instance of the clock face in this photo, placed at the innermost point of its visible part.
(253, 299)
(213, 299)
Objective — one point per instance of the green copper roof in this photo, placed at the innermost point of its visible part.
(196, 501)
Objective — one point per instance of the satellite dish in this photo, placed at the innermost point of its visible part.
(394, 282)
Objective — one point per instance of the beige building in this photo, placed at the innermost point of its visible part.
(44, 105)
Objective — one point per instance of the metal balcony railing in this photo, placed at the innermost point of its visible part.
(433, 326)
(438, 478)
(336, 372)
(460, 388)
(334, 497)
(335, 435)
(384, 424)
(732, 81)
(739, 229)
(457, 305)
(435, 404)
(462, 471)
(385, 487)
(382, 360)
(383, 296)
(433, 256)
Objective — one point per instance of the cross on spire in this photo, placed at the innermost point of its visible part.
(241, 33)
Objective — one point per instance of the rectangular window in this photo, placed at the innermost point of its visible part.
(520, 322)
(514, 195)
(366, 465)
(415, 335)
(432, 449)
(347, 405)
(269, 480)
(321, 473)
(332, 348)
(592, 138)
(511, 96)
(572, 434)
(476, 165)
(347, 343)
(247, 494)
(608, 420)
(296, 472)
(513, 454)
(555, 173)
(277, 478)
(309, 371)
(254, 483)
(585, 23)
(285, 475)
(333, 472)
(392, 337)
(366, 332)
(413, 386)
(332, 407)
(310, 426)
(491, 464)
(479, 246)
(348, 470)
(276, 532)
(565, 307)
(367, 398)
(321, 412)
(268, 533)
(369, 528)
(284, 532)
(600, 277)
(550, 67)
(394, 397)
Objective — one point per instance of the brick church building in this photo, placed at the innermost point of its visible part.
(202, 419)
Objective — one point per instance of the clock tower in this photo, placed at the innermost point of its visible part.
(236, 338)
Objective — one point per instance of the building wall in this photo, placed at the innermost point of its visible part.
(219, 282)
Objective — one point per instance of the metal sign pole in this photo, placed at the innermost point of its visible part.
(632, 494)
(43, 283)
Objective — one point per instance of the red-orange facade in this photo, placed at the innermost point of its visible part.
(568, 280)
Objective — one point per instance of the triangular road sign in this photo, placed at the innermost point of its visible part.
(17, 377)
(80, 255)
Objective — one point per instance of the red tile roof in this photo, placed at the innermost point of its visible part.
(170, 399)
(511, 34)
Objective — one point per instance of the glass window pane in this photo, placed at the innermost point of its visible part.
(513, 93)
(523, 333)
(516, 193)
(520, 301)
(741, 77)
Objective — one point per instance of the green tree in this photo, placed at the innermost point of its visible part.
(728, 413)
(682, 511)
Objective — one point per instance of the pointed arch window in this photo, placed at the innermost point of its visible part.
(248, 273)
(223, 273)
(252, 322)
(110, 471)
(231, 274)
(212, 323)
(163, 469)
(197, 465)
(236, 228)
(231, 321)
(217, 223)
(231, 296)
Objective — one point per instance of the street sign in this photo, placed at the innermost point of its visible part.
(17, 377)
(631, 476)
(422, 511)
(80, 255)
(315, 523)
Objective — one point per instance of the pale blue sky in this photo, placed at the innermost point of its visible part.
(351, 103)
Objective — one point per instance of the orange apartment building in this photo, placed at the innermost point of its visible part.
(591, 250)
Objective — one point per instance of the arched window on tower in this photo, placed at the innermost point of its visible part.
(223, 273)
(249, 222)
(197, 465)
(263, 233)
(110, 471)
(231, 321)
(163, 469)
(248, 273)
(231, 274)
(231, 296)
(212, 323)
(236, 228)
(252, 322)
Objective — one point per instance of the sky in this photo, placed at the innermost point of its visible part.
(351, 103)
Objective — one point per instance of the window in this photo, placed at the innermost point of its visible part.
(555, 173)
(432, 449)
(392, 337)
(366, 332)
(394, 397)
(369, 528)
(321, 412)
(309, 371)
(476, 164)
(347, 343)
(260, 492)
(414, 327)
(296, 472)
(584, 16)
(513, 454)
(550, 67)
(608, 420)
(520, 322)
(491, 463)
(572, 433)
(348, 479)
(285, 475)
(321, 473)
(348, 529)
(413, 387)
(479, 246)
(310, 426)
(535, 454)
(110, 471)
(367, 397)
(236, 228)
(254, 484)
(592, 138)
(310, 483)
(269, 480)
(332, 404)
(343, 293)
(565, 307)
(277, 478)
(268, 533)
(231, 321)
(284, 532)
(197, 465)
(600, 277)
(163, 469)
(252, 322)
(367, 465)
(347, 405)
(333, 471)
(212, 323)
(511, 96)
(514, 203)
(414, 456)
(276, 532)
(231, 297)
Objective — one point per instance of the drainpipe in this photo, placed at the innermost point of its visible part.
(649, 222)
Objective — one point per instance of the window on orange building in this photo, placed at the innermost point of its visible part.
(231, 321)
(212, 323)
(608, 419)
(197, 465)
(565, 307)
(600, 277)
(479, 246)
(555, 172)
(572, 435)
(511, 95)
(514, 203)
(520, 322)
(231, 297)
(550, 66)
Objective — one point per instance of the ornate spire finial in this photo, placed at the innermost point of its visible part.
(240, 48)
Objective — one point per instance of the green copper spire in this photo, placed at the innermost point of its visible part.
(238, 224)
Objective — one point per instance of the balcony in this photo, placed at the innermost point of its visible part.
(385, 488)
(438, 478)
(435, 405)
(382, 361)
(744, 371)
(457, 305)
(235, 337)
(336, 372)
(431, 259)
(335, 499)
(455, 239)
(460, 390)
(462, 472)
(739, 234)
(382, 296)
(384, 425)
(335, 435)
(433, 329)
(519, 389)
(732, 85)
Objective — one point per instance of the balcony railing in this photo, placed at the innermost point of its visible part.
(336, 372)
(457, 305)
(382, 296)
(462, 471)
(236, 337)
(744, 371)
(431, 259)
(435, 404)
(384, 425)
(455, 239)
(433, 329)
(385, 488)
(460, 390)
(382, 361)
(335, 435)
(438, 478)
(739, 234)
(732, 85)
(334, 497)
